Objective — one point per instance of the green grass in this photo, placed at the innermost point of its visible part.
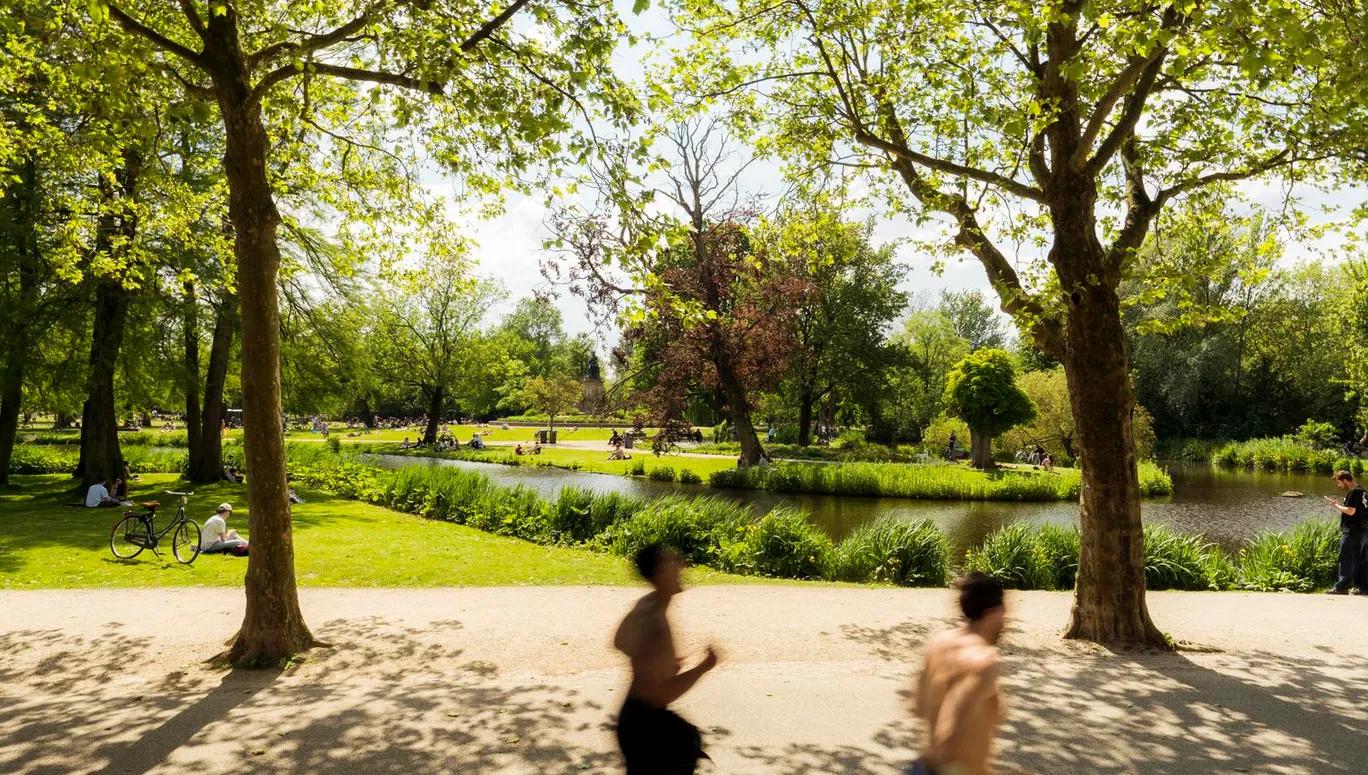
(595, 461)
(338, 542)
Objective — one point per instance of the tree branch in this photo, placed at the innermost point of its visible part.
(157, 39)
(492, 26)
(193, 17)
(901, 151)
(312, 43)
(346, 73)
(1144, 81)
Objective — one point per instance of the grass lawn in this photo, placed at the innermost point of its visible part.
(587, 459)
(46, 543)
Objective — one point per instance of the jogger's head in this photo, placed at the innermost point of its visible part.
(980, 598)
(661, 566)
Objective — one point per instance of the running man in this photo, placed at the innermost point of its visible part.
(957, 692)
(654, 740)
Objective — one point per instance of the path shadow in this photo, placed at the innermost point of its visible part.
(384, 699)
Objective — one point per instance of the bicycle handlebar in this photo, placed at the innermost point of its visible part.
(182, 494)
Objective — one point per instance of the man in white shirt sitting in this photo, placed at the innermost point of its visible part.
(216, 537)
(98, 495)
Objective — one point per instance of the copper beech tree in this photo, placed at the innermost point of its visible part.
(489, 95)
(1061, 128)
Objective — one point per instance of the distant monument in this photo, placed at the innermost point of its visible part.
(592, 401)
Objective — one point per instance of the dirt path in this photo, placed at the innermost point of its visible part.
(522, 680)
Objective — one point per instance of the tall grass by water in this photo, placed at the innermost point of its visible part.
(1302, 559)
(928, 481)
(1284, 454)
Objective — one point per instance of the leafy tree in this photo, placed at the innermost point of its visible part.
(854, 295)
(493, 94)
(713, 311)
(1038, 124)
(983, 392)
(552, 395)
(429, 335)
(915, 394)
(974, 321)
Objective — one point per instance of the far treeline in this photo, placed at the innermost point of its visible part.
(213, 203)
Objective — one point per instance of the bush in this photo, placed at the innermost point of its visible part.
(1176, 560)
(662, 474)
(890, 550)
(1057, 548)
(700, 529)
(783, 543)
(1316, 435)
(1013, 556)
(334, 445)
(52, 459)
(637, 467)
(689, 476)
(1303, 559)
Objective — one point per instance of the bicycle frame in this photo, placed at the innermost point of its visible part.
(154, 536)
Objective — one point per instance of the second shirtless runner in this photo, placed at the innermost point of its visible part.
(957, 693)
(654, 739)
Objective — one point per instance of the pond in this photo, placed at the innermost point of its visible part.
(1228, 507)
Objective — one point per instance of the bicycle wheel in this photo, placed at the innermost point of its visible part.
(185, 544)
(128, 538)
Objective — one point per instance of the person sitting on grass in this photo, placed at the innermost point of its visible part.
(615, 440)
(1047, 462)
(536, 447)
(518, 450)
(216, 538)
(230, 474)
(405, 444)
(98, 495)
(476, 442)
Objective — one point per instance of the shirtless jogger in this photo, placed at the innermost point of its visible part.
(957, 693)
(654, 740)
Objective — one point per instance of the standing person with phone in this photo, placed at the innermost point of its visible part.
(1353, 566)
(654, 739)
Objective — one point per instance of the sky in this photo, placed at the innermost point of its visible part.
(510, 247)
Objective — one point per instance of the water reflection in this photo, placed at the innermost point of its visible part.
(1228, 507)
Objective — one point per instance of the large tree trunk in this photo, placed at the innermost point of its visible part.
(273, 627)
(207, 465)
(21, 214)
(981, 450)
(738, 408)
(1109, 598)
(190, 323)
(805, 402)
(434, 415)
(101, 458)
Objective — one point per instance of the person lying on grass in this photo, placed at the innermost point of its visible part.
(216, 538)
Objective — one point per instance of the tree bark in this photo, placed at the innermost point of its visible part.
(1109, 596)
(738, 408)
(190, 322)
(273, 626)
(434, 415)
(805, 401)
(981, 450)
(21, 214)
(207, 465)
(101, 457)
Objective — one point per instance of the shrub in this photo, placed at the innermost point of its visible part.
(1057, 550)
(637, 467)
(1282, 454)
(1175, 560)
(578, 514)
(893, 551)
(782, 543)
(699, 528)
(1303, 559)
(334, 445)
(1316, 435)
(689, 476)
(662, 474)
(1011, 555)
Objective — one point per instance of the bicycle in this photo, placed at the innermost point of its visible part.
(136, 532)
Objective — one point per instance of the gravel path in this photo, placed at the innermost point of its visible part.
(523, 680)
